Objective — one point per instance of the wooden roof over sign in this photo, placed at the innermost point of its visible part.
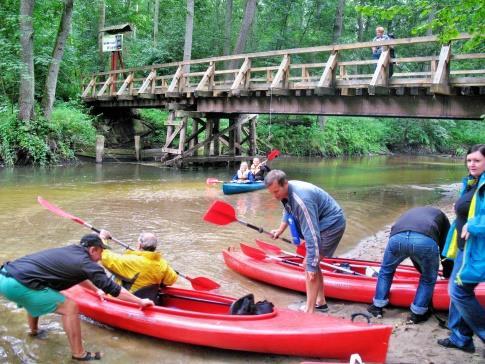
(115, 29)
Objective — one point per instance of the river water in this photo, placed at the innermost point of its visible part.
(129, 198)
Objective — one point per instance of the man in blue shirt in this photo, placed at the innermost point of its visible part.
(318, 219)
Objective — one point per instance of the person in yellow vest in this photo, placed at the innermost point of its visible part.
(144, 266)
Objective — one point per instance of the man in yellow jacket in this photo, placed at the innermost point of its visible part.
(145, 262)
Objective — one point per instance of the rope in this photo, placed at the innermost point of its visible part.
(270, 112)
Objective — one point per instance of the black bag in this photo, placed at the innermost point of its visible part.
(262, 307)
(246, 306)
(243, 306)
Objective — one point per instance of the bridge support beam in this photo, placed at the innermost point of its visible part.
(231, 138)
(422, 106)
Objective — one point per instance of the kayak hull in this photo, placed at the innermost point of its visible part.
(231, 188)
(339, 285)
(187, 317)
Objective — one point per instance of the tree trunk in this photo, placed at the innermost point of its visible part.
(57, 54)
(101, 21)
(339, 21)
(156, 12)
(248, 18)
(228, 28)
(189, 29)
(27, 80)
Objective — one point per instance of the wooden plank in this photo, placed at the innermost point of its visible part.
(440, 83)
(170, 150)
(467, 81)
(175, 85)
(147, 81)
(108, 82)
(90, 85)
(381, 73)
(207, 81)
(326, 84)
(281, 78)
(243, 71)
(182, 134)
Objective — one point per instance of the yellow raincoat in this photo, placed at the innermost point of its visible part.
(152, 267)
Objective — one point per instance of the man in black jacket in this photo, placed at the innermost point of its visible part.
(35, 281)
(419, 234)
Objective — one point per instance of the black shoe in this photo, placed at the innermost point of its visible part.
(447, 343)
(375, 311)
(321, 308)
(414, 318)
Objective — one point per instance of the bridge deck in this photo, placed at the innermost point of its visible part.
(433, 83)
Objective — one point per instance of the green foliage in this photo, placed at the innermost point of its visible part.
(154, 119)
(42, 142)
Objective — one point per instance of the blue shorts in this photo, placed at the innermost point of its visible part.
(36, 302)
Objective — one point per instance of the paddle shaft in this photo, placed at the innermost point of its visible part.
(261, 230)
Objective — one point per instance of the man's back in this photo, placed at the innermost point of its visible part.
(150, 267)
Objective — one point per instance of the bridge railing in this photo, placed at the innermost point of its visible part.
(324, 70)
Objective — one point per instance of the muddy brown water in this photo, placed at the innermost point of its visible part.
(129, 198)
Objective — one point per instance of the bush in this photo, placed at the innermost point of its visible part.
(42, 142)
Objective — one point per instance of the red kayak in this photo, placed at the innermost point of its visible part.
(356, 287)
(202, 318)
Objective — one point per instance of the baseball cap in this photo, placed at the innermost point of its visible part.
(92, 240)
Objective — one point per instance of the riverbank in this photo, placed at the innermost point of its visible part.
(409, 343)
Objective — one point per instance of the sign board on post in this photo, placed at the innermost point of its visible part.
(112, 42)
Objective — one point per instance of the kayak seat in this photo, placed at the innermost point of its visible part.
(150, 292)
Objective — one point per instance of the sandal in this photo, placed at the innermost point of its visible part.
(88, 356)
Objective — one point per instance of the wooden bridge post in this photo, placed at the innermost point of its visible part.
(252, 137)
(208, 133)
(195, 139)
(137, 147)
(215, 130)
(99, 148)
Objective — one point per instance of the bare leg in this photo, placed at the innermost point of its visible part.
(321, 292)
(314, 290)
(33, 325)
(72, 326)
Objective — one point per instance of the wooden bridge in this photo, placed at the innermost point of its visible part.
(431, 81)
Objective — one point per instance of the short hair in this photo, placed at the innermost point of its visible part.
(477, 148)
(148, 241)
(275, 175)
(380, 29)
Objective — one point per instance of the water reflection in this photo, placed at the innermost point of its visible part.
(130, 198)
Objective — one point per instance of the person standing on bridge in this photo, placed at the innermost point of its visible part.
(380, 36)
(318, 219)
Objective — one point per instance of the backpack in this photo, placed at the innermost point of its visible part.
(246, 306)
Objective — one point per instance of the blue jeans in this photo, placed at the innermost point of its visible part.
(425, 252)
(466, 315)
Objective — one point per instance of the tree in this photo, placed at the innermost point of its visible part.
(101, 21)
(57, 54)
(189, 29)
(248, 18)
(27, 80)
(156, 12)
(339, 19)
(228, 28)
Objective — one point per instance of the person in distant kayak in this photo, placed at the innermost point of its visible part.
(34, 282)
(318, 218)
(142, 267)
(259, 169)
(419, 234)
(243, 174)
